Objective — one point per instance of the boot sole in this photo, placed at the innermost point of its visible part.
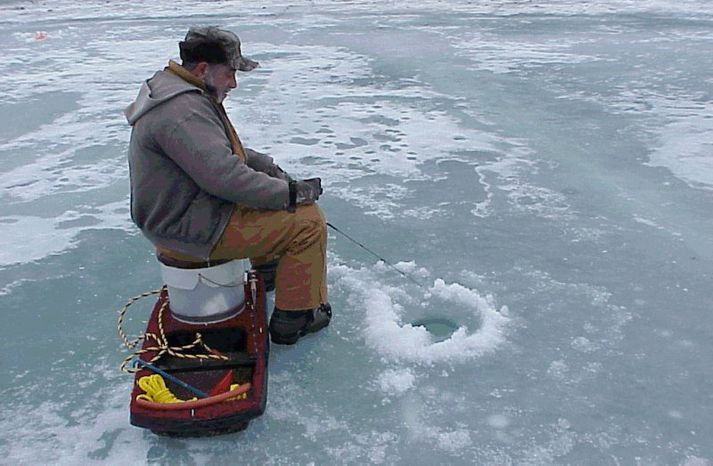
(292, 339)
(282, 340)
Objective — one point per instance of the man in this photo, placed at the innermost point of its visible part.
(200, 197)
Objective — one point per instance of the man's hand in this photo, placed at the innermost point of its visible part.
(304, 192)
(308, 191)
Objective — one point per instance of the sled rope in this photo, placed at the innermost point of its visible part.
(161, 342)
(132, 344)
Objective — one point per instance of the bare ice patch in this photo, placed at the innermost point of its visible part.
(448, 440)
(346, 121)
(492, 53)
(25, 239)
(679, 121)
(498, 421)
(389, 332)
(95, 432)
(686, 142)
(508, 174)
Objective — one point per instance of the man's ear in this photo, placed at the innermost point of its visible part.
(200, 70)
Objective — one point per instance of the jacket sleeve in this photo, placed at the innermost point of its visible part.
(265, 163)
(259, 161)
(197, 143)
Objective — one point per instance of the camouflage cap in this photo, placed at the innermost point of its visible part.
(214, 45)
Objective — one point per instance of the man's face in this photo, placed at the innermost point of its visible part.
(219, 80)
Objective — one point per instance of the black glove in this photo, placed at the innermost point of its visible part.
(304, 192)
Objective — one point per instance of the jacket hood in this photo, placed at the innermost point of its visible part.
(160, 88)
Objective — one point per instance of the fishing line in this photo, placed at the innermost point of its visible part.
(406, 275)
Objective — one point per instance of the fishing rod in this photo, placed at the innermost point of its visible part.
(406, 275)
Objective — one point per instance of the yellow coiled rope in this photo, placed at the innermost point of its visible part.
(242, 396)
(156, 390)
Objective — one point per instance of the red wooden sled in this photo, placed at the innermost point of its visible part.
(243, 339)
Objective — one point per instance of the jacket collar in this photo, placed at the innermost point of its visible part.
(184, 74)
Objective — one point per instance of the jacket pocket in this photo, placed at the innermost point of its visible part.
(199, 221)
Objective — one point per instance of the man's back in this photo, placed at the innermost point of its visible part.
(185, 176)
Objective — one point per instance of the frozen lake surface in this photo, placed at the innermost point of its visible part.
(544, 168)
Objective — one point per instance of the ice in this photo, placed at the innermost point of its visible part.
(55, 235)
(498, 421)
(396, 381)
(686, 143)
(87, 437)
(395, 339)
(541, 172)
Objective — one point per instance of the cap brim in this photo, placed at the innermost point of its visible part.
(246, 64)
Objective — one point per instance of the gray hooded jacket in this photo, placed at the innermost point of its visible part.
(185, 179)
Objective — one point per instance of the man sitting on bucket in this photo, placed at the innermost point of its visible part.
(200, 197)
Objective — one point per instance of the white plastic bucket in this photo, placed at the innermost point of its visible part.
(206, 295)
